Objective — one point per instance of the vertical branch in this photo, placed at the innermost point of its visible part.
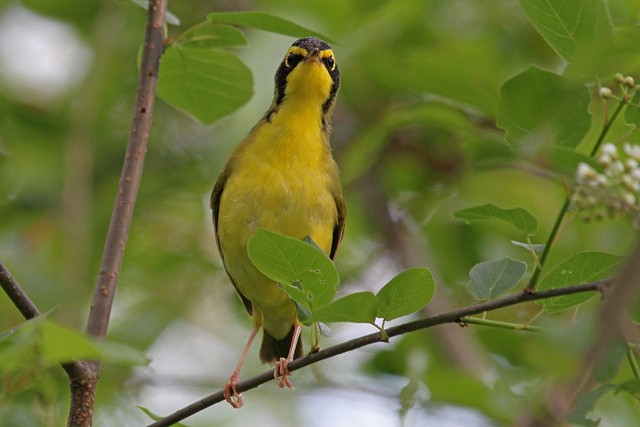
(131, 173)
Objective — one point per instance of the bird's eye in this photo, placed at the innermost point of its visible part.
(330, 62)
(291, 60)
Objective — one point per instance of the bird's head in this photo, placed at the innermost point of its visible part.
(308, 73)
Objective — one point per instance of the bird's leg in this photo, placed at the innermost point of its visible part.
(281, 372)
(230, 392)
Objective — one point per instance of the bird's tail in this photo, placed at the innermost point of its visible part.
(273, 349)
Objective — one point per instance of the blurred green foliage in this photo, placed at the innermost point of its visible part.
(424, 86)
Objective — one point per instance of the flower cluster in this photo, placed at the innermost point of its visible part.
(613, 191)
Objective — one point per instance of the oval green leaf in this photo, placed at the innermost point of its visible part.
(266, 22)
(360, 307)
(518, 217)
(307, 274)
(579, 268)
(406, 293)
(539, 106)
(570, 27)
(207, 84)
(492, 278)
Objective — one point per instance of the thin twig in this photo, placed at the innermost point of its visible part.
(454, 316)
(17, 295)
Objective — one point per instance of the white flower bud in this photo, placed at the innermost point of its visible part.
(610, 149)
(631, 165)
(629, 82)
(633, 151)
(605, 92)
(628, 199)
(630, 184)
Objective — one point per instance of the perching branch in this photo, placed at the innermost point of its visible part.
(455, 316)
(17, 295)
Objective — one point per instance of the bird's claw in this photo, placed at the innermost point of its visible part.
(281, 373)
(230, 392)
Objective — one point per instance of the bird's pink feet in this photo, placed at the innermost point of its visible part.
(230, 392)
(281, 373)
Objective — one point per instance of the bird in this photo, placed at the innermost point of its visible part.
(282, 177)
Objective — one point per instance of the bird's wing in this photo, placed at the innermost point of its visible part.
(216, 195)
(338, 230)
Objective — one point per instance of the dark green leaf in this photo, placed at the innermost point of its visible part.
(406, 293)
(572, 27)
(518, 217)
(580, 268)
(586, 403)
(632, 112)
(287, 261)
(492, 278)
(538, 106)
(205, 83)
(266, 22)
(360, 307)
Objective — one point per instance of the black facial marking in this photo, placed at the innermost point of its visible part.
(290, 62)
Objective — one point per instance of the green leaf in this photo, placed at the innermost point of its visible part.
(580, 268)
(360, 307)
(406, 293)
(491, 278)
(537, 248)
(537, 106)
(266, 22)
(518, 217)
(157, 417)
(59, 344)
(209, 35)
(205, 83)
(586, 403)
(632, 111)
(120, 354)
(566, 160)
(571, 28)
(169, 17)
(307, 274)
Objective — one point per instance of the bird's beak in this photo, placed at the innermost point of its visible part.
(314, 56)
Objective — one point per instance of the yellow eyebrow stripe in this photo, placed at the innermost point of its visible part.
(297, 50)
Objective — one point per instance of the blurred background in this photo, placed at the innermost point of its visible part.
(416, 139)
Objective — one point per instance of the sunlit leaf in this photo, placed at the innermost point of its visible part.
(580, 268)
(490, 279)
(59, 344)
(570, 27)
(209, 35)
(205, 83)
(537, 248)
(406, 293)
(266, 22)
(567, 159)
(305, 272)
(537, 106)
(518, 217)
(360, 307)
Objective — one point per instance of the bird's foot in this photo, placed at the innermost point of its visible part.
(230, 392)
(281, 373)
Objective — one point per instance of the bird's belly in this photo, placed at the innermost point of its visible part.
(297, 204)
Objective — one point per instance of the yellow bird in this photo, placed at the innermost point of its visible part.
(283, 178)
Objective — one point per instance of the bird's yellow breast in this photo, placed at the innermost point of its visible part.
(281, 178)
